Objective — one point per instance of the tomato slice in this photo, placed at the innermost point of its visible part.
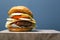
(19, 16)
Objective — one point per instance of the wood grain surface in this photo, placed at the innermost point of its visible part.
(29, 36)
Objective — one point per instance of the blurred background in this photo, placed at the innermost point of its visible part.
(46, 12)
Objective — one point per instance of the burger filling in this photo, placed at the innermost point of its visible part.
(22, 24)
(20, 20)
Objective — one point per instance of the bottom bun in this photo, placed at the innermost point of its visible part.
(20, 29)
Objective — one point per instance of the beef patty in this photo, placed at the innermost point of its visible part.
(23, 23)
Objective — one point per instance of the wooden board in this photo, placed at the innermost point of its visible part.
(6, 35)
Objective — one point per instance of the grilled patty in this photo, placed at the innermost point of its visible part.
(23, 23)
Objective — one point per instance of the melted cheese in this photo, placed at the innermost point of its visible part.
(13, 14)
(24, 19)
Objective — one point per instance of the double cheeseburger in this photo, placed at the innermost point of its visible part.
(20, 19)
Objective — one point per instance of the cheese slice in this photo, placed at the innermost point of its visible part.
(14, 25)
(22, 14)
(13, 14)
(7, 24)
(31, 20)
(24, 19)
(9, 21)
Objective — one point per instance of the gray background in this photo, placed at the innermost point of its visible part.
(46, 12)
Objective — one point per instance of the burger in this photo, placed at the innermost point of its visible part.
(20, 19)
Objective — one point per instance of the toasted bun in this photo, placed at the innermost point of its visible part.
(19, 29)
(20, 9)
